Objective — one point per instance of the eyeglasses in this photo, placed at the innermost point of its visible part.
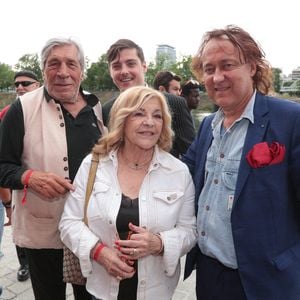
(24, 83)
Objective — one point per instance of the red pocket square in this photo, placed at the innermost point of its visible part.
(263, 154)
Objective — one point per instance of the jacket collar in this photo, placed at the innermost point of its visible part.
(160, 159)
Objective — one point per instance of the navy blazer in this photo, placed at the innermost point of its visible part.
(265, 217)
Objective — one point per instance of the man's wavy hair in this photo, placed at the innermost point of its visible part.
(114, 50)
(249, 50)
(60, 42)
(128, 102)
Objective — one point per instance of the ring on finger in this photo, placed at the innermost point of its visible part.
(134, 252)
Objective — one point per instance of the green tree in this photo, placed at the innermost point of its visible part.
(184, 68)
(151, 72)
(181, 68)
(30, 62)
(98, 77)
(276, 79)
(6, 76)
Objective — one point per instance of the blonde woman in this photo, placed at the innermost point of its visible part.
(141, 213)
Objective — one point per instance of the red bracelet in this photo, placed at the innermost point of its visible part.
(98, 250)
(26, 181)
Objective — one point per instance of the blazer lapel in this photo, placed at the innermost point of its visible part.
(255, 134)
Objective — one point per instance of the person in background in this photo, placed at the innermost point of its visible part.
(25, 81)
(245, 164)
(166, 81)
(191, 92)
(43, 138)
(127, 68)
(132, 245)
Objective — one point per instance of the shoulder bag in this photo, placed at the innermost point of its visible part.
(71, 266)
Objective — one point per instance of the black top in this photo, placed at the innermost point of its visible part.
(82, 133)
(129, 212)
(182, 122)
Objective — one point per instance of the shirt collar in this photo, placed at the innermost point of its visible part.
(248, 113)
(90, 99)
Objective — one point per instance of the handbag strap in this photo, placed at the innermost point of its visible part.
(90, 184)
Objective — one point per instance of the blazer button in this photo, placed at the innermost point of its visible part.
(66, 168)
(61, 124)
(65, 159)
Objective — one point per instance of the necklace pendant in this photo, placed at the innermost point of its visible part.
(136, 166)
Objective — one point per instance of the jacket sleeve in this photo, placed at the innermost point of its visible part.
(11, 147)
(182, 238)
(106, 110)
(182, 124)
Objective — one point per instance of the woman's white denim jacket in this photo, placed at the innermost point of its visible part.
(166, 206)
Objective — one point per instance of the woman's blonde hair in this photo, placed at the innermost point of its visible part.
(128, 102)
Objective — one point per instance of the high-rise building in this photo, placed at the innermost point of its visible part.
(167, 53)
(296, 74)
(291, 84)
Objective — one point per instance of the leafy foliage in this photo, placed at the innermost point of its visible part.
(6, 76)
(30, 62)
(181, 68)
(276, 79)
(97, 76)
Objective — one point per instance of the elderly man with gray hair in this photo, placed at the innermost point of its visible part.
(43, 139)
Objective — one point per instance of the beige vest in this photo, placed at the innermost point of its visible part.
(35, 224)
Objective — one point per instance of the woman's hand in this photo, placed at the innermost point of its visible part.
(141, 243)
(114, 264)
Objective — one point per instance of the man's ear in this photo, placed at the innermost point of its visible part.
(253, 68)
(161, 88)
(145, 68)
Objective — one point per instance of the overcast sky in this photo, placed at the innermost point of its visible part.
(25, 26)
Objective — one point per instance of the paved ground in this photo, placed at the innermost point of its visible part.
(13, 289)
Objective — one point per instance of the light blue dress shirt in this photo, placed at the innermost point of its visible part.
(217, 197)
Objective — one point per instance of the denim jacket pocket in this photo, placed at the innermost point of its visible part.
(100, 187)
(98, 201)
(168, 197)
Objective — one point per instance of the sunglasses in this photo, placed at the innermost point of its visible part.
(24, 83)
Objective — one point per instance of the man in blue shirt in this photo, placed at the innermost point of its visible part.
(245, 164)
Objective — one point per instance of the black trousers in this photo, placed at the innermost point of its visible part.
(214, 281)
(22, 256)
(46, 272)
